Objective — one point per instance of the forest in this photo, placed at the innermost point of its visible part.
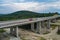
(24, 15)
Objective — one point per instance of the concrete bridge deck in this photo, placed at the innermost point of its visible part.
(24, 21)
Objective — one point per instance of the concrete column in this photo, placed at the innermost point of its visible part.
(54, 20)
(11, 30)
(42, 24)
(38, 29)
(48, 25)
(32, 26)
(16, 31)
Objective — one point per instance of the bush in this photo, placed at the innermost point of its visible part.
(53, 27)
(2, 30)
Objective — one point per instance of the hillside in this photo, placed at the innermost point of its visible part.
(2, 14)
(23, 15)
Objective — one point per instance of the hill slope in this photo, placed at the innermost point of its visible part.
(23, 15)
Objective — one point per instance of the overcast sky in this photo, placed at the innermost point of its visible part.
(8, 6)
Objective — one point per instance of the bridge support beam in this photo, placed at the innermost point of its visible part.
(38, 29)
(32, 27)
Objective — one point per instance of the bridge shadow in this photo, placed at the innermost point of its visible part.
(27, 26)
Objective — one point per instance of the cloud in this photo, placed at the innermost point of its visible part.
(21, 0)
(11, 1)
(32, 6)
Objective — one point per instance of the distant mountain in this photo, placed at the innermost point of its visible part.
(1, 14)
(24, 14)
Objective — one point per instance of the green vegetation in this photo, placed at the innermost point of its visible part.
(2, 30)
(46, 32)
(23, 39)
(53, 27)
(42, 38)
(24, 15)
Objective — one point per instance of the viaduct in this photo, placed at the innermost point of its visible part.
(13, 24)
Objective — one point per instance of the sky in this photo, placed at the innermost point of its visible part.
(41, 6)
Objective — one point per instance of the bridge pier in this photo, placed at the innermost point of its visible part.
(48, 25)
(14, 31)
(38, 29)
(32, 27)
(43, 25)
(11, 30)
(54, 20)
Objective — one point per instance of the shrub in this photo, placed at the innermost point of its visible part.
(53, 27)
(2, 30)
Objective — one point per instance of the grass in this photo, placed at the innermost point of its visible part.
(41, 38)
(46, 32)
(23, 39)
